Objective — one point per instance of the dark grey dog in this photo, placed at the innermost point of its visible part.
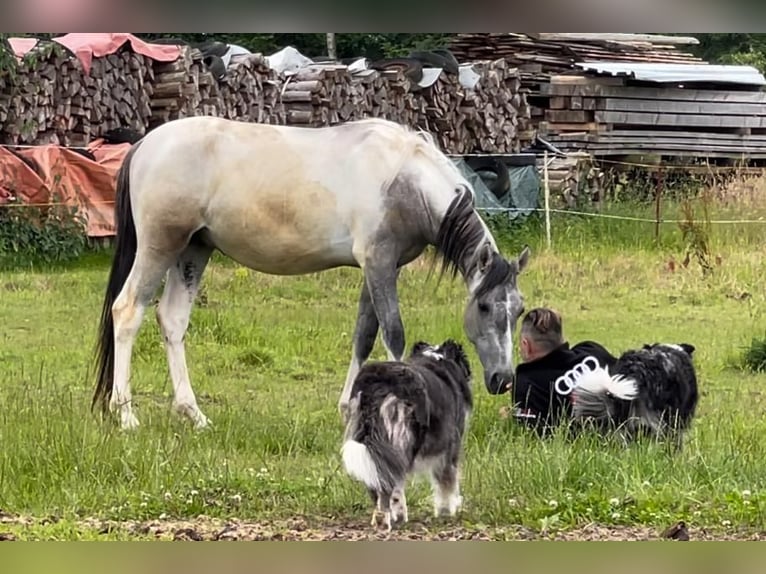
(650, 391)
(405, 418)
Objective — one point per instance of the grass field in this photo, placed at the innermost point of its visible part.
(268, 356)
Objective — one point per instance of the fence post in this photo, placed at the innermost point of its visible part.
(547, 199)
(658, 205)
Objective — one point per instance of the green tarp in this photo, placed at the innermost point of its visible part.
(521, 199)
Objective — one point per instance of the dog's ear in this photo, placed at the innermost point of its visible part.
(454, 351)
(648, 346)
(688, 348)
(419, 347)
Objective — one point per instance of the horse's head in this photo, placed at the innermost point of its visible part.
(492, 314)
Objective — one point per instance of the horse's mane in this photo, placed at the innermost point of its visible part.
(459, 237)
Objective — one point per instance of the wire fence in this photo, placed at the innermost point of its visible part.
(547, 210)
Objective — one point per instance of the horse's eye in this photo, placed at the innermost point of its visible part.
(483, 308)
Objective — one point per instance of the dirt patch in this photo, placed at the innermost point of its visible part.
(297, 529)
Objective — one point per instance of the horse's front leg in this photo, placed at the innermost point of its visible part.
(364, 340)
(381, 282)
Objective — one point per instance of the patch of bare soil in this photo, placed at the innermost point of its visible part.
(318, 529)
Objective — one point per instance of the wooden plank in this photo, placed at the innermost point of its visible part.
(701, 142)
(614, 37)
(683, 94)
(568, 116)
(556, 127)
(671, 134)
(678, 107)
(685, 120)
(687, 152)
(582, 81)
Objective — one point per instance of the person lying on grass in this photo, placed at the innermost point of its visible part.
(543, 382)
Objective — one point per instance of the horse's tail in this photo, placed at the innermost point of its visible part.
(122, 262)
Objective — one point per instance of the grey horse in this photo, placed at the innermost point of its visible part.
(286, 200)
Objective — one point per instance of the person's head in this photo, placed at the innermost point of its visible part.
(541, 332)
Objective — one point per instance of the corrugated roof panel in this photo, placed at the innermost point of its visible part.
(678, 73)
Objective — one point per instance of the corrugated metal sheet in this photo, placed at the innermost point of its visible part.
(679, 73)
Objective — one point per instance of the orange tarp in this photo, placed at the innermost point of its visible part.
(62, 172)
(87, 45)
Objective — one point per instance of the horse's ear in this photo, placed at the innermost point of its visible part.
(524, 258)
(485, 257)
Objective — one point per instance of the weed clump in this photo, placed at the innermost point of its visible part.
(754, 356)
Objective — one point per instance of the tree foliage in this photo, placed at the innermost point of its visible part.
(372, 46)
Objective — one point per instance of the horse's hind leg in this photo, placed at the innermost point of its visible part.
(128, 313)
(365, 332)
(173, 313)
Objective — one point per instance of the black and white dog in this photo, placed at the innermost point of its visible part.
(409, 418)
(651, 391)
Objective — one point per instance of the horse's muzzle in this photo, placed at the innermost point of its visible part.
(499, 383)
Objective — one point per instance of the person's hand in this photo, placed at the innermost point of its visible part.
(508, 386)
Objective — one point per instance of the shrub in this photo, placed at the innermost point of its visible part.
(48, 234)
(754, 356)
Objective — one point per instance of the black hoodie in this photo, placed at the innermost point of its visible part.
(535, 400)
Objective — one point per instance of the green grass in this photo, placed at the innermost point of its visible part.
(268, 356)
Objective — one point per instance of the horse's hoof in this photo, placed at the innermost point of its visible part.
(202, 423)
(129, 422)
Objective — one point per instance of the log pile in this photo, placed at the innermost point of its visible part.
(322, 95)
(52, 100)
(187, 87)
(498, 109)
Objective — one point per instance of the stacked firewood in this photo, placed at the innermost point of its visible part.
(442, 118)
(399, 100)
(248, 91)
(496, 109)
(174, 91)
(314, 96)
(51, 99)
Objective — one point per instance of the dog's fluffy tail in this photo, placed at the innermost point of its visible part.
(375, 449)
(597, 389)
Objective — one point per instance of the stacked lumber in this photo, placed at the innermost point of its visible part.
(52, 100)
(606, 117)
(539, 55)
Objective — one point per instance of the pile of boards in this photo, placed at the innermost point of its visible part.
(539, 56)
(609, 117)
